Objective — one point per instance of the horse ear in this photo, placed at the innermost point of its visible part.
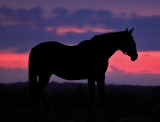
(126, 30)
(131, 31)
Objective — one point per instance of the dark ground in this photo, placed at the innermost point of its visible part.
(68, 102)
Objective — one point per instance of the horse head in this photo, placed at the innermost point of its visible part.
(128, 45)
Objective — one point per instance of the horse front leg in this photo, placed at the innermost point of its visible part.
(91, 87)
(100, 84)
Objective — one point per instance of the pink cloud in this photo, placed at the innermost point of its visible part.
(66, 29)
(49, 29)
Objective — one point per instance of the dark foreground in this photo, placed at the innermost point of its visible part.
(68, 103)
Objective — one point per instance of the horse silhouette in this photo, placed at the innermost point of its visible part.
(87, 60)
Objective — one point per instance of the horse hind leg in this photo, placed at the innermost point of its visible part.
(43, 81)
(91, 87)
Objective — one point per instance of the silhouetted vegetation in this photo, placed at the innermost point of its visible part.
(68, 102)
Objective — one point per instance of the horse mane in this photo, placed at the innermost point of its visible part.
(106, 35)
(84, 43)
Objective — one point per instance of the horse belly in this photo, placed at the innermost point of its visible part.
(74, 69)
(71, 75)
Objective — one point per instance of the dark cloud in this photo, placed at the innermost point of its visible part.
(21, 15)
(22, 29)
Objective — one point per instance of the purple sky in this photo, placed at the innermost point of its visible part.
(23, 24)
(140, 7)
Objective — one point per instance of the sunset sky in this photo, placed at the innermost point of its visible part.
(23, 24)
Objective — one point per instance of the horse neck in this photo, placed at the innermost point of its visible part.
(110, 46)
(109, 51)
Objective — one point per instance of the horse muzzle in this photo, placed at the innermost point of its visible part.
(133, 58)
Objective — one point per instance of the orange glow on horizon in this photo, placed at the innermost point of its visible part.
(147, 62)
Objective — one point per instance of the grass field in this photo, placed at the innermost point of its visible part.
(68, 102)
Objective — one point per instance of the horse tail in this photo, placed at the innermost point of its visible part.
(32, 76)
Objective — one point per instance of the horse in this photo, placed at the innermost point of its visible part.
(86, 60)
